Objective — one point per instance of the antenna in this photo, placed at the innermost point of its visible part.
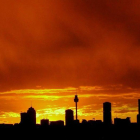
(31, 103)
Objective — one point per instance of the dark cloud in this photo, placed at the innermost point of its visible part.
(125, 111)
(69, 43)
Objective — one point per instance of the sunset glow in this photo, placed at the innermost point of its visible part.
(52, 103)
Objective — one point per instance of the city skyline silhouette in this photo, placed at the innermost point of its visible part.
(105, 130)
(69, 65)
(29, 117)
(52, 103)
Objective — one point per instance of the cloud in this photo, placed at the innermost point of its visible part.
(9, 114)
(125, 111)
(59, 44)
(109, 91)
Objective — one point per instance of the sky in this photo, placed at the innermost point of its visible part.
(51, 50)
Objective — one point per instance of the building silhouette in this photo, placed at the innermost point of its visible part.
(122, 129)
(69, 117)
(32, 115)
(119, 121)
(107, 119)
(57, 123)
(24, 118)
(76, 122)
(44, 122)
(138, 116)
(28, 118)
(84, 121)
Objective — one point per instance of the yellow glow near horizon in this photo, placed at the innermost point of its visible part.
(52, 103)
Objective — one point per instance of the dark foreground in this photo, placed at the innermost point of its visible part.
(112, 132)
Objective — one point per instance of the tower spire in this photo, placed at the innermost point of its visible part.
(76, 101)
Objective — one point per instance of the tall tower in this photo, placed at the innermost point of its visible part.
(76, 101)
(107, 113)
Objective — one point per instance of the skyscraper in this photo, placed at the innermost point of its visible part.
(107, 119)
(28, 118)
(69, 117)
(138, 116)
(138, 106)
(32, 115)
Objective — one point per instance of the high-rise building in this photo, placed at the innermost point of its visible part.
(32, 115)
(138, 116)
(24, 118)
(69, 117)
(107, 119)
(138, 106)
(28, 118)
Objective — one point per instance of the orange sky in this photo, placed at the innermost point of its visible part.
(50, 48)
